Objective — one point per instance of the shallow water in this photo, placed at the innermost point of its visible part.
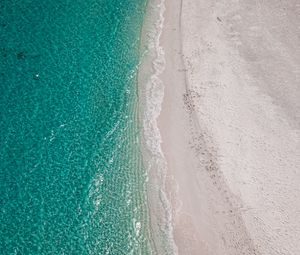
(71, 177)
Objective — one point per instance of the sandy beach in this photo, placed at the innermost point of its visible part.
(229, 125)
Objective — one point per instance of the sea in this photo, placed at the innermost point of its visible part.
(72, 179)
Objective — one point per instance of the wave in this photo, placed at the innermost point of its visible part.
(152, 95)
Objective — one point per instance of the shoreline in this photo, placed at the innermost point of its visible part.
(151, 92)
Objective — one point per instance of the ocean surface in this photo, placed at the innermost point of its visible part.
(71, 175)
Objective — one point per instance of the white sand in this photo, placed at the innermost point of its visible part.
(230, 125)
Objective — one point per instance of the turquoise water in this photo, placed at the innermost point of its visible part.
(71, 177)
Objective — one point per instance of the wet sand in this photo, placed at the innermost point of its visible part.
(230, 125)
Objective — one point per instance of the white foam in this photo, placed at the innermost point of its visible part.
(153, 98)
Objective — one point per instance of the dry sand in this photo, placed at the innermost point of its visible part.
(230, 125)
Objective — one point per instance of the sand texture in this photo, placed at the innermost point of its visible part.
(230, 125)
